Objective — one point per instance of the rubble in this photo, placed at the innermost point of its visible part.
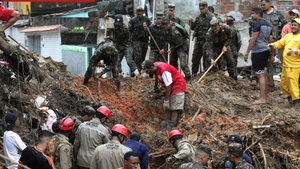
(214, 109)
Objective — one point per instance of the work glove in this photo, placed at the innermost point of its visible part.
(137, 73)
(166, 104)
(170, 160)
(292, 51)
(224, 49)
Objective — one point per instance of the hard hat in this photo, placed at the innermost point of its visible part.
(174, 133)
(66, 124)
(120, 129)
(104, 110)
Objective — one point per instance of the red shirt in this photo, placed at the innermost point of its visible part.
(168, 75)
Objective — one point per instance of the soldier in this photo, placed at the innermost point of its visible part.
(277, 20)
(63, 154)
(235, 155)
(177, 37)
(124, 45)
(172, 17)
(111, 154)
(139, 36)
(90, 135)
(159, 34)
(105, 51)
(200, 27)
(236, 41)
(218, 39)
(185, 151)
(201, 159)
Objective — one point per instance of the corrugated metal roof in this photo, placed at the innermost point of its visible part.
(40, 28)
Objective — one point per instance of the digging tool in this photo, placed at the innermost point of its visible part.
(169, 54)
(36, 59)
(106, 22)
(190, 32)
(155, 42)
(210, 67)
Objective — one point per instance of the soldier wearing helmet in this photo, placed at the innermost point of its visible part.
(90, 135)
(105, 51)
(63, 155)
(185, 151)
(102, 156)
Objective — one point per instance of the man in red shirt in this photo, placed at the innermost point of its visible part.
(170, 79)
(10, 16)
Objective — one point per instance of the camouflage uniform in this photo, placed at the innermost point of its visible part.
(244, 165)
(277, 20)
(139, 39)
(160, 37)
(110, 60)
(185, 153)
(200, 27)
(124, 47)
(177, 20)
(63, 155)
(214, 45)
(191, 165)
(178, 40)
(235, 44)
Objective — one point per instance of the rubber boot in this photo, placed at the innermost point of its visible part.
(118, 86)
(85, 81)
(232, 75)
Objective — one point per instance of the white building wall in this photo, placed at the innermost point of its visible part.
(16, 34)
(51, 45)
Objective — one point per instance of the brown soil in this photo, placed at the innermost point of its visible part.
(222, 107)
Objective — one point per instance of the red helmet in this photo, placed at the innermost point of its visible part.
(174, 133)
(120, 129)
(104, 110)
(66, 124)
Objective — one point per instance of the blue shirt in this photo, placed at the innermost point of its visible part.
(141, 149)
(265, 30)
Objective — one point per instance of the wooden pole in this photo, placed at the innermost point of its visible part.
(210, 67)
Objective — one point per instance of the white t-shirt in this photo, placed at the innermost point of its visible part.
(12, 144)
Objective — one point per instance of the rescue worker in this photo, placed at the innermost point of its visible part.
(185, 151)
(236, 41)
(177, 37)
(277, 20)
(201, 159)
(63, 156)
(139, 36)
(218, 39)
(172, 17)
(170, 79)
(293, 14)
(124, 45)
(90, 135)
(200, 26)
(230, 140)
(111, 154)
(159, 34)
(105, 51)
(235, 155)
(131, 160)
(141, 149)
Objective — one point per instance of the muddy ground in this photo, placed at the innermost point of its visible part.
(214, 109)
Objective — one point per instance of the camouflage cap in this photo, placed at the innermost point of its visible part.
(205, 149)
(165, 21)
(139, 9)
(214, 22)
(171, 6)
(235, 148)
(230, 18)
(202, 4)
(159, 14)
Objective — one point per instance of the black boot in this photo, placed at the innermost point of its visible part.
(85, 81)
(232, 75)
(118, 86)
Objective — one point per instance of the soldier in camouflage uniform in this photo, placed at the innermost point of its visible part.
(123, 44)
(177, 37)
(277, 20)
(63, 154)
(236, 41)
(235, 155)
(105, 51)
(159, 34)
(201, 159)
(185, 150)
(218, 39)
(200, 27)
(172, 17)
(139, 36)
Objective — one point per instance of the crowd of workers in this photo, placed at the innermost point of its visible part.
(86, 142)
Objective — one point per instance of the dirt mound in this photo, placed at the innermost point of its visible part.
(214, 109)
